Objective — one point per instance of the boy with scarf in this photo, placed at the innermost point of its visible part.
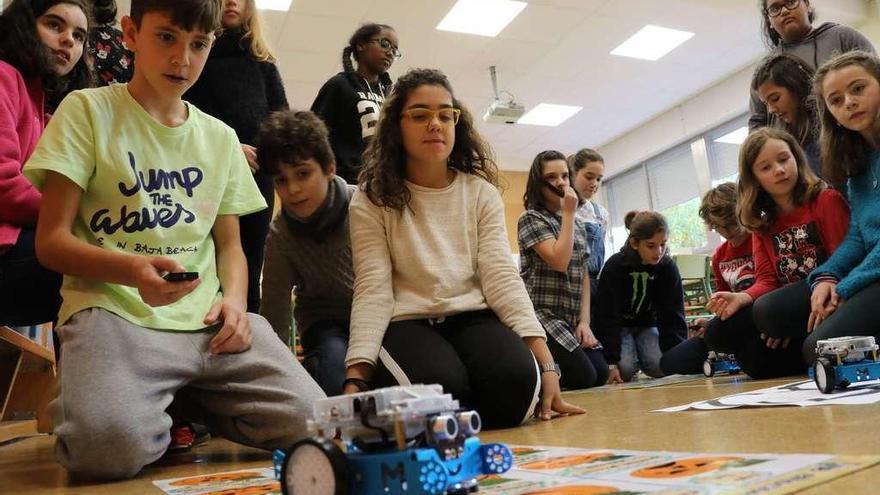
(308, 249)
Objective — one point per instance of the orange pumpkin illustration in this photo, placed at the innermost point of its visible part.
(576, 490)
(251, 490)
(564, 462)
(524, 450)
(685, 467)
(215, 478)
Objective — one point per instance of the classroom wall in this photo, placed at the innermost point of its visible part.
(704, 111)
(512, 194)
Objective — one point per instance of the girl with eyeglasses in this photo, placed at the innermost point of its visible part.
(349, 102)
(788, 27)
(41, 59)
(437, 295)
(554, 264)
(241, 86)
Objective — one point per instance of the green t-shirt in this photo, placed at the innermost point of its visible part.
(147, 189)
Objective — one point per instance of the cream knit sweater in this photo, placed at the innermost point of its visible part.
(447, 256)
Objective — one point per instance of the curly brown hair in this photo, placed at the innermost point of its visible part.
(293, 137)
(384, 171)
(719, 205)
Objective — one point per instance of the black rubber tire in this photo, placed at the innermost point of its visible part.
(823, 375)
(334, 456)
(708, 369)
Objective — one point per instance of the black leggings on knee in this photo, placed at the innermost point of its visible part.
(476, 358)
(581, 368)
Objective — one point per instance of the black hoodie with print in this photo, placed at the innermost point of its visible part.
(349, 105)
(639, 296)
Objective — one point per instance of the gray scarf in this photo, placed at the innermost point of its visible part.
(327, 218)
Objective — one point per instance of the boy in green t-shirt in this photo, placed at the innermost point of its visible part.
(137, 184)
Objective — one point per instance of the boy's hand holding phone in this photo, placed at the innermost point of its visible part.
(154, 289)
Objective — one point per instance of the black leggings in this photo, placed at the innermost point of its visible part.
(581, 368)
(253, 231)
(782, 313)
(686, 358)
(476, 358)
(29, 293)
(857, 316)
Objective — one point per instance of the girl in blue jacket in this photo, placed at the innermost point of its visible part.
(845, 288)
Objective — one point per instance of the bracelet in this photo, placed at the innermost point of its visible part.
(361, 384)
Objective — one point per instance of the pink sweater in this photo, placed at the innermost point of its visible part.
(21, 124)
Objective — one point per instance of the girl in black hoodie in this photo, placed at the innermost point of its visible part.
(349, 102)
(241, 86)
(640, 312)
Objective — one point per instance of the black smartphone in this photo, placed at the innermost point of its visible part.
(181, 276)
(556, 190)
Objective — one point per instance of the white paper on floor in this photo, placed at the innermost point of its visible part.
(801, 393)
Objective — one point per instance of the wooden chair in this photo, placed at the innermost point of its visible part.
(27, 383)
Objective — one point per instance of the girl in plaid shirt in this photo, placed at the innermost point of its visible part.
(554, 255)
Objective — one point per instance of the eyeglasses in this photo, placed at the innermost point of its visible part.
(424, 116)
(776, 9)
(388, 46)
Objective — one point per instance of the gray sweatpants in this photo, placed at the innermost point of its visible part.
(117, 379)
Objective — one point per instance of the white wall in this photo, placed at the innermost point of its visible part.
(714, 106)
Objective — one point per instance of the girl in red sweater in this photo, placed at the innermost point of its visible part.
(797, 222)
(41, 46)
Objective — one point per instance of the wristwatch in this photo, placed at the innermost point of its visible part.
(551, 367)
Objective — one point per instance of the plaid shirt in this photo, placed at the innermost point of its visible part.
(555, 295)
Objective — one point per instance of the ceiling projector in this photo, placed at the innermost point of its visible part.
(504, 112)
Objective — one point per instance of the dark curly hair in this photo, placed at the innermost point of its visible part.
(21, 47)
(770, 36)
(383, 173)
(292, 137)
